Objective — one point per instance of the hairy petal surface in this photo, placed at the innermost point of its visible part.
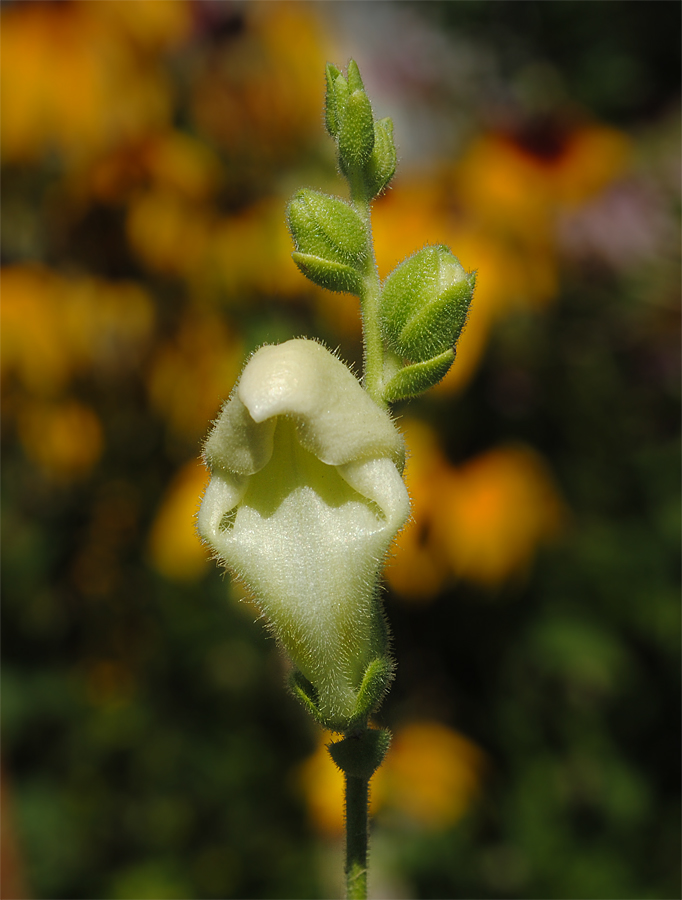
(305, 498)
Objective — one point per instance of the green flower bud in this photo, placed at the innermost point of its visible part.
(381, 165)
(425, 303)
(356, 131)
(330, 239)
(326, 227)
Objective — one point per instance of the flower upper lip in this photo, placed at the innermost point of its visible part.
(335, 419)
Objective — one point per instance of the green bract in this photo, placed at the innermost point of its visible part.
(304, 500)
(425, 303)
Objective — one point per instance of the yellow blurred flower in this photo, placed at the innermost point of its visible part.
(183, 164)
(168, 232)
(64, 439)
(151, 24)
(33, 348)
(54, 326)
(194, 371)
(73, 77)
(430, 777)
(174, 546)
(433, 774)
(250, 253)
(493, 513)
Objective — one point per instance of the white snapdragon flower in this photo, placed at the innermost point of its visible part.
(305, 497)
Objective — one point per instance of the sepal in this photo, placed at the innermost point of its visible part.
(355, 82)
(380, 168)
(375, 684)
(328, 274)
(331, 111)
(360, 755)
(419, 377)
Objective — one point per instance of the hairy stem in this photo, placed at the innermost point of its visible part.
(357, 801)
(370, 298)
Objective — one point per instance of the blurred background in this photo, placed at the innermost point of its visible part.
(148, 152)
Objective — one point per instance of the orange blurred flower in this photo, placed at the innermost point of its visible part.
(174, 547)
(494, 512)
(417, 569)
(80, 77)
(257, 100)
(64, 439)
(482, 521)
(431, 776)
(516, 187)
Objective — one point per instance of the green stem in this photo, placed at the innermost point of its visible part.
(359, 754)
(370, 298)
(357, 801)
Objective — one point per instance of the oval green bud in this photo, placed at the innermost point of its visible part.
(381, 165)
(327, 227)
(356, 130)
(424, 304)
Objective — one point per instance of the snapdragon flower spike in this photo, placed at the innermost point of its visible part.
(305, 497)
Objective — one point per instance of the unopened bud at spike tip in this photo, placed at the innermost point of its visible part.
(356, 130)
